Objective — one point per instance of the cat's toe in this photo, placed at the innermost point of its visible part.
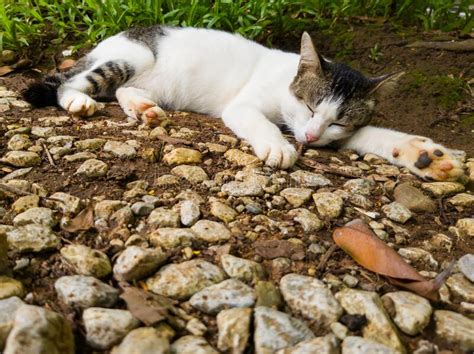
(153, 115)
(83, 106)
(277, 155)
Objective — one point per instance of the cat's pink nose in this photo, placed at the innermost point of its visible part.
(310, 138)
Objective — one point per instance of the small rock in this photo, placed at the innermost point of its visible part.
(86, 261)
(296, 196)
(196, 327)
(93, 168)
(142, 208)
(144, 340)
(135, 263)
(43, 132)
(276, 330)
(162, 217)
(242, 269)
(234, 327)
(248, 188)
(105, 208)
(19, 142)
(310, 298)
(182, 156)
(10, 287)
(240, 158)
(397, 212)
(461, 287)
(466, 226)
(339, 330)
(193, 174)
(268, 295)
(189, 212)
(79, 156)
(8, 308)
(308, 221)
(387, 170)
(21, 158)
(210, 231)
(223, 211)
(67, 203)
(166, 180)
(329, 205)
(358, 345)
(350, 281)
(414, 254)
(39, 216)
(120, 150)
(455, 329)
(24, 203)
(413, 199)
(84, 292)
(466, 266)
(90, 144)
(309, 179)
(412, 312)
(360, 186)
(438, 242)
(228, 294)
(462, 200)
(321, 345)
(32, 238)
(170, 238)
(106, 327)
(440, 189)
(182, 280)
(192, 345)
(37, 330)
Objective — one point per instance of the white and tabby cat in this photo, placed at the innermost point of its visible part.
(252, 88)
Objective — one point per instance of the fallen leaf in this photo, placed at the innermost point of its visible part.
(66, 65)
(147, 307)
(358, 240)
(83, 221)
(7, 69)
(271, 249)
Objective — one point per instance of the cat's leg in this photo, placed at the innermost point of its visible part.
(265, 137)
(420, 155)
(138, 103)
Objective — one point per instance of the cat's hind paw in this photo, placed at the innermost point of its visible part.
(153, 115)
(429, 160)
(276, 154)
(78, 103)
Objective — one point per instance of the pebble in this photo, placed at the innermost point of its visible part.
(211, 231)
(242, 269)
(308, 220)
(167, 180)
(339, 330)
(466, 266)
(397, 212)
(182, 280)
(162, 217)
(32, 238)
(461, 287)
(438, 242)
(142, 208)
(38, 215)
(268, 295)
(170, 238)
(193, 174)
(38, 330)
(440, 189)
(24, 203)
(144, 340)
(329, 205)
(10, 287)
(248, 188)
(84, 291)
(67, 203)
(120, 150)
(107, 327)
(387, 170)
(21, 158)
(296, 196)
(350, 281)
(415, 254)
(276, 330)
(462, 200)
(321, 345)
(192, 345)
(358, 345)
(359, 302)
(8, 308)
(79, 156)
(310, 298)
(93, 144)
(43, 132)
(455, 329)
(222, 211)
(234, 329)
(466, 226)
(412, 313)
(309, 179)
(86, 261)
(93, 168)
(19, 142)
(189, 212)
(240, 158)
(136, 263)
(229, 293)
(413, 199)
(216, 148)
(360, 186)
(105, 208)
(182, 156)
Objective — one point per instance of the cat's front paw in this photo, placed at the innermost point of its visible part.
(78, 103)
(429, 160)
(278, 153)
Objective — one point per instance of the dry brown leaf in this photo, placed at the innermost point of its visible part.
(83, 221)
(357, 240)
(7, 69)
(66, 65)
(147, 307)
(271, 249)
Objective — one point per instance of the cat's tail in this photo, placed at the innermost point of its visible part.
(45, 92)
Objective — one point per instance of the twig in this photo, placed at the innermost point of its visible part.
(48, 154)
(458, 46)
(13, 190)
(325, 258)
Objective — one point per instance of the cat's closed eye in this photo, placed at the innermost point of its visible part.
(337, 124)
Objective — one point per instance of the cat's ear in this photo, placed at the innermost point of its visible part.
(382, 86)
(309, 59)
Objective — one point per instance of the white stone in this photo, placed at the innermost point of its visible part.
(189, 212)
(162, 217)
(8, 308)
(93, 168)
(210, 231)
(359, 345)
(308, 220)
(296, 196)
(32, 238)
(321, 345)
(233, 326)
(329, 205)
(397, 212)
(120, 150)
(243, 269)
(38, 215)
(170, 238)
(455, 329)
(144, 340)
(136, 262)
(466, 266)
(86, 261)
(308, 179)
(192, 345)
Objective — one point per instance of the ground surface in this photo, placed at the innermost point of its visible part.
(428, 102)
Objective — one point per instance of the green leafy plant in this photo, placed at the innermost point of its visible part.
(375, 53)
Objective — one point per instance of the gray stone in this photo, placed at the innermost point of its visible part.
(21, 158)
(210, 231)
(170, 238)
(93, 168)
(321, 345)
(189, 212)
(461, 287)
(85, 291)
(229, 293)
(144, 340)
(182, 280)
(79, 156)
(415, 254)
(240, 158)
(466, 226)
(243, 269)
(397, 212)
(93, 144)
(222, 211)
(248, 188)
(412, 312)
(120, 150)
(67, 204)
(440, 189)
(359, 186)
(107, 327)
(413, 199)
(192, 345)
(37, 330)
(43, 132)
(142, 208)
(32, 238)
(308, 179)
(310, 298)
(162, 217)
(38, 215)
(136, 262)
(296, 196)
(455, 329)
(193, 174)
(329, 205)
(462, 200)
(350, 281)
(276, 330)
(19, 142)
(86, 261)
(308, 220)
(358, 345)
(358, 302)
(234, 329)
(181, 156)
(466, 266)
(8, 308)
(105, 208)
(10, 287)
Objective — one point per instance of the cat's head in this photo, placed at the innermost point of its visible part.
(339, 100)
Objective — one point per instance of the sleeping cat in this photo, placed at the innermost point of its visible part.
(252, 88)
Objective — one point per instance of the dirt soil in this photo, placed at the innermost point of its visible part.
(419, 106)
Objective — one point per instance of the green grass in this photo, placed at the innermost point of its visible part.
(35, 23)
